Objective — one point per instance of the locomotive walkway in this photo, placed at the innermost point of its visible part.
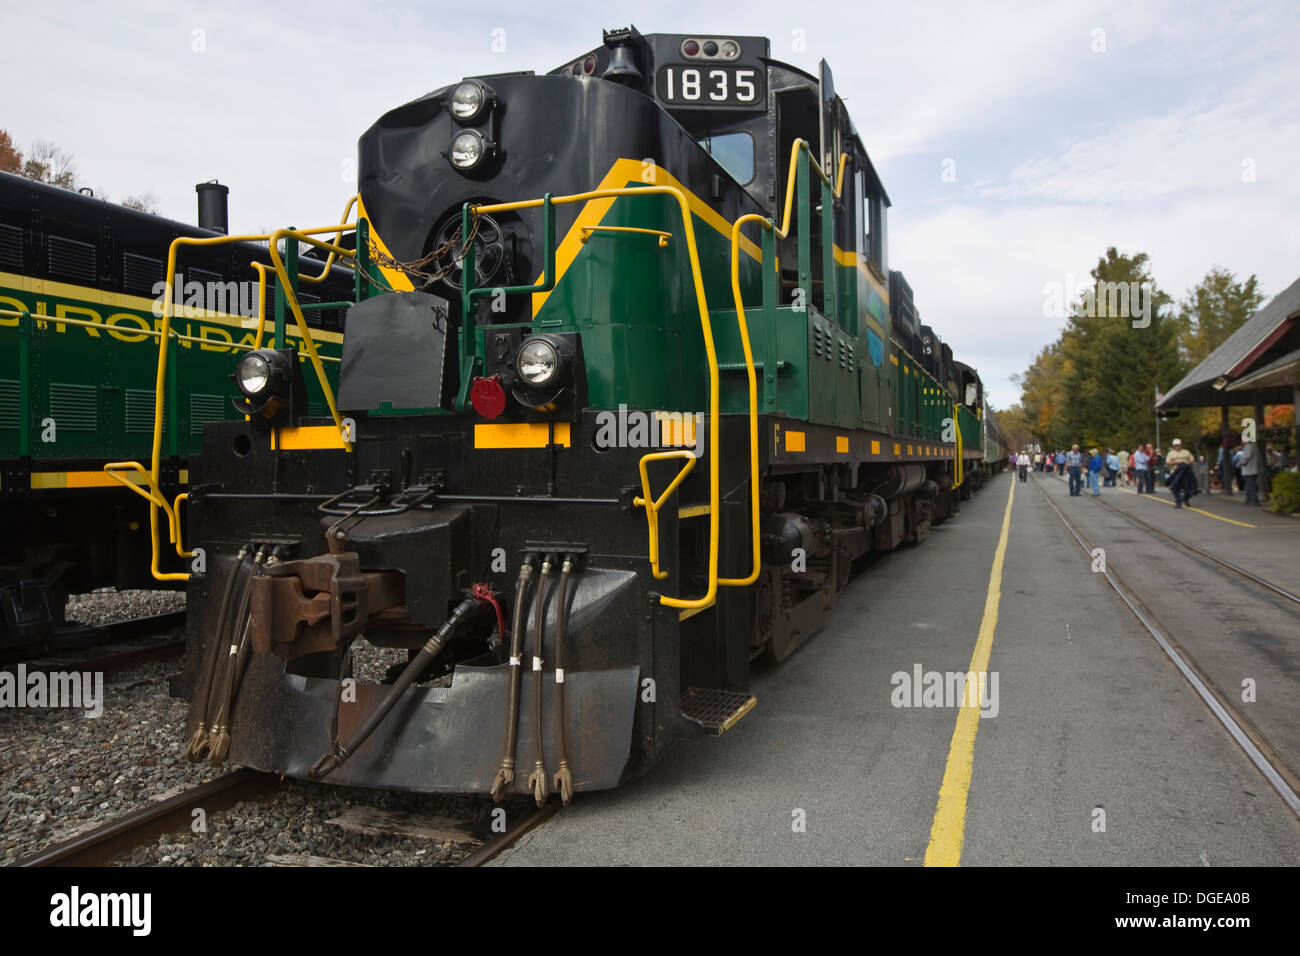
(1099, 753)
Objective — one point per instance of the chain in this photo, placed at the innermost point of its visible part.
(453, 249)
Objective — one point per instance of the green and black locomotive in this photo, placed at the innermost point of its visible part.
(629, 390)
(81, 282)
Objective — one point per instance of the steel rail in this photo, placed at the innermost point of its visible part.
(98, 847)
(1253, 578)
(1208, 697)
(535, 818)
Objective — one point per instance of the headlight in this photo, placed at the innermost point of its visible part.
(252, 374)
(538, 362)
(467, 149)
(467, 101)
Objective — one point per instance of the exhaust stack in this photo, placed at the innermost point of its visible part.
(213, 207)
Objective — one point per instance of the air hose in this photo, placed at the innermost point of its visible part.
(198, 742)
(506, 773)
(431, 649)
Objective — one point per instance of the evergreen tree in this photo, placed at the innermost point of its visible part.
(1119, 344)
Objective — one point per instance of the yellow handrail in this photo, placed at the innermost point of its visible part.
(663, 236)
(261, 268)
(710, 351)
(749, 355)
(291, 297)
(652, 505)
(753, 401)
(156, 501)
(153, 494)
(338, 238)
(959, 473)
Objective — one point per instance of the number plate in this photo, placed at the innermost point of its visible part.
(711, 84)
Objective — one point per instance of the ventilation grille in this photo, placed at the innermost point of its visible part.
(74, 407)
(141, 273)
(72, 259)
(206, 408)
(11, 247)
(10, 405)
(139, 411)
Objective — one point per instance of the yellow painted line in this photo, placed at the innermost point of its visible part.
(46, 480)
(842, 444)
(121, 300)
(397, 280)
(307, 438)
(1243, 524)
(794, 440)
(692, 511)
(875, 447)
(520, 435)
(629, 172)
(948, 832)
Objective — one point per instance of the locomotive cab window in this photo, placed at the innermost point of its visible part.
(734, 153)
(872, 214)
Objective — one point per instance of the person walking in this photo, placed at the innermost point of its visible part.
(1095, 464)
(1153, 462)
(1182, 480)
(1060, 463)
(1141, 468)
(1124, 471)
(1073, 463)
(1022, 464)
(1112, 468)
(1250, 468)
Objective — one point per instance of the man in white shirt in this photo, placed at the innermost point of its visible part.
(1074, 464)
(1022, 464)
(1141, 465)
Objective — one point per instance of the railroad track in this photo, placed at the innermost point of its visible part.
(99, 846)
(1242, 731)
(112, 657)
(1228, 565)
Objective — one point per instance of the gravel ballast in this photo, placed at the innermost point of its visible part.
(62, 773)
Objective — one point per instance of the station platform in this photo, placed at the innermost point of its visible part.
(1250, 536)
(1094, 751)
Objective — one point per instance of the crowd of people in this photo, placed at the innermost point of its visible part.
(1137, 469)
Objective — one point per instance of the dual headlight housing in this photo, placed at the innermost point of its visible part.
(470, 103)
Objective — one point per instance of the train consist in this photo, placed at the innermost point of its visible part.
(80, 286)
(630, 391)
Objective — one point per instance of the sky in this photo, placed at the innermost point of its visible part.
(1016, 141)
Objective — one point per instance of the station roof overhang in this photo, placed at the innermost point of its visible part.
(1233, 373)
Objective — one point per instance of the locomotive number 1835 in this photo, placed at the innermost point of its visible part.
(712, 85)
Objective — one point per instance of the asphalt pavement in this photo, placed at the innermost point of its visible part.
(1094, 750)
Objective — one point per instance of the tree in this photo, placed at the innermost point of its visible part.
(145, 203)
(11, 161)
(1117, 352)
(1215, 308)
(1042, 397)
(46, 163)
